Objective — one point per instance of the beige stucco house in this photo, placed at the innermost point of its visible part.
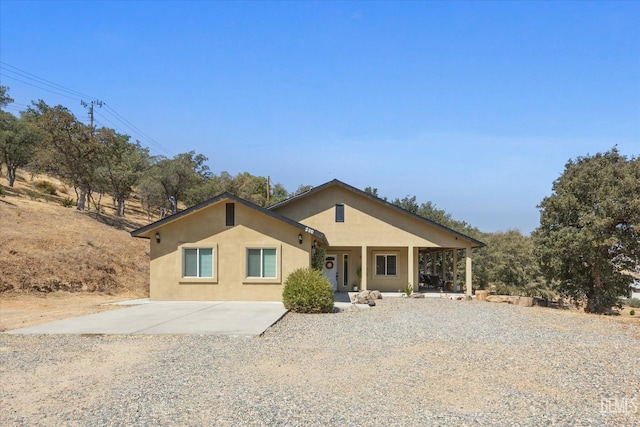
(230, 249)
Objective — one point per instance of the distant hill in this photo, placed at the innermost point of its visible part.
(45, 247)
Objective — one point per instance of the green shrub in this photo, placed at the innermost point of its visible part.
(408, 289)
(46, 187)
(67, 202)
(318, 257)
(306, 290)
(632, 312)
(633, 302)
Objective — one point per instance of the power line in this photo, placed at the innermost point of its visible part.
(58, 89)
(99, 123)
(16, 106)
(149, 140)
(13, 108)
(132, 126)
(115, 126)
(42, 88)
(25, 74)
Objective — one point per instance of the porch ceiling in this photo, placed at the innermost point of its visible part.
(430, 250)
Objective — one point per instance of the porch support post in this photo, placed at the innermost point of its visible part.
(364, 268)
(468, 271)
(455, 268)
(424, 262)
(434, 255)
(411, 271)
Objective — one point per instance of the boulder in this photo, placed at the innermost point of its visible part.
(363, 297)
(481, 295)
(511, 299)
(375, 294)
(526, 301)
(497, 298)
(514, 300)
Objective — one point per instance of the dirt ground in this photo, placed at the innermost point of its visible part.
(57, 263)
(21, 310)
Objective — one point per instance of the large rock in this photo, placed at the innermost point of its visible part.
(511, 299)
(375, 294)
(498, 298)
(481, 295)
(526, 301)
(363, 297)
(514, 299)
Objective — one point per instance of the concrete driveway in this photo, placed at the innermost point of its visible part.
(171, 318)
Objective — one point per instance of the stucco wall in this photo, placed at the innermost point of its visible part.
(381, 283)
(367, 222)
(206, 228)
(371, 224)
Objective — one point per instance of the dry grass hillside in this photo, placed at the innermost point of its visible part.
(50, 250)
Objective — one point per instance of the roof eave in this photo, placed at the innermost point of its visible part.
(474, 243)
(146, 231)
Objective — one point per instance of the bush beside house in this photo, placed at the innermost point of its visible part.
(306, 290)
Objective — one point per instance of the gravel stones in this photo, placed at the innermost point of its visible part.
(405, 362)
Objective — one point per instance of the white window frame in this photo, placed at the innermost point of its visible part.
(180, 260)
(386, 264)
(197, 249)
(262, 276)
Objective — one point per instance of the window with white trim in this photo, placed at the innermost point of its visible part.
(386, 265)
(261, 263)
(197, 262)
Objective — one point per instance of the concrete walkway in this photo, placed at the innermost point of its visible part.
(171, 318)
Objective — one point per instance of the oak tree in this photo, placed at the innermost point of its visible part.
(121, 165)
(589, 232)
(68, 151)
(18, 141)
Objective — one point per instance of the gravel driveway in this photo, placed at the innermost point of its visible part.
(405, 362)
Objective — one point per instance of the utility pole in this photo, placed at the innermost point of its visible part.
(90, 105)
(268, 188)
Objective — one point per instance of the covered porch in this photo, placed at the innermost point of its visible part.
(391, 268)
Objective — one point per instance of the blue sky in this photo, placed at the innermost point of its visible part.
(475, 106)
